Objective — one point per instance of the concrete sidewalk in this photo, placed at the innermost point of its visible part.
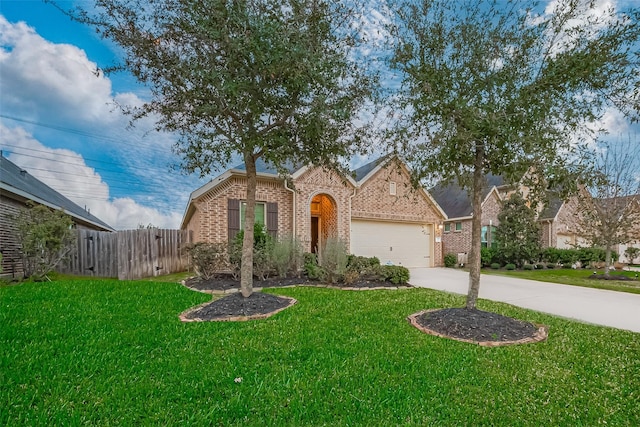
(608, 308)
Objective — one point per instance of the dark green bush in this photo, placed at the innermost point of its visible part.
(495, 266)
(540, 266)
(551, 266)
(311, 267)
(361, 264)
(488, 256)
(528, 267)
(450, 260)
(510, 267)
(396, 274)
(262, 244)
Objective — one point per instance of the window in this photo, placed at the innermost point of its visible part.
(458, 226)
(447, 228)
(392, 188)
(487, 236)
(260, 210)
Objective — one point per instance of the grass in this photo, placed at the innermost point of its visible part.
(114, 353)
(578, 277)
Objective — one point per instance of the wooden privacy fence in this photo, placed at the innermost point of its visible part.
(129, 254)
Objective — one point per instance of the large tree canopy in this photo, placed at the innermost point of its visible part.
(267, 79)
(507, 88)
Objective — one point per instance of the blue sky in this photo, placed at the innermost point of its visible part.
(58, 120)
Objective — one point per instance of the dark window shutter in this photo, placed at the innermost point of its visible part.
(272, 219)
(233, 218)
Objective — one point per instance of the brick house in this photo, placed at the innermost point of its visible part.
(456, 203)
(17, 187)
(558, 218)
(374, 210)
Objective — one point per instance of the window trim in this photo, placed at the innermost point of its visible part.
(458, 229)
(447, 227)
(243, 207)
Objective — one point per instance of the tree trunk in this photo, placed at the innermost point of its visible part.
(607, 261)
(246, 267)
(476, 229)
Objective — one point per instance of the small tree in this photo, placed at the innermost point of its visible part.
(45, 238)
(631, 253)
(507, 88)
(610, 211)
(518, 235)
(255, 79)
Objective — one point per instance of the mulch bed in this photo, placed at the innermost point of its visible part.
(477, 326)
(235, 307)
(617, 277)
(473, 326)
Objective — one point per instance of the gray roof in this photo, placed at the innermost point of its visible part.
(552, 207)
(18, 181)
(455, 201)
(364, 170)
(268, 168)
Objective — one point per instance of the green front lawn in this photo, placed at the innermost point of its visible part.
(578, 277)
(115, 353)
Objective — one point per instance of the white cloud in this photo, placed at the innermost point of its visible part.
(66, 172)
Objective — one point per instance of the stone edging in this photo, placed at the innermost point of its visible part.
(184, 314)
(343, 288)
(540, 335)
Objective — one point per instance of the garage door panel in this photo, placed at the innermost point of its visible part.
(398, 243)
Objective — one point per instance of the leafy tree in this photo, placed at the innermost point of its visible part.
(45, 238)
(610, 213)
(631, 253)
(518, 235)
(503, 88)
(266, 79)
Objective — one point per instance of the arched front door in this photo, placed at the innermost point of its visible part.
(324, 220)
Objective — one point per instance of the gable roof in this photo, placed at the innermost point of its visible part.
(19, 182)
(263, 167)
(456, 201)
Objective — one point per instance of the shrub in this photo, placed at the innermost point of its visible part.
(333, 259)
(450, 260)
(510, 266)
(286, 256)
(395, 274)
(551, 266)
(540, 266)
(528, 267)
(46, 237)
(208, 259)
(262, 244)
(311, 267)
(488, 256)
(631, 254)
(361, 264)
(495, 266)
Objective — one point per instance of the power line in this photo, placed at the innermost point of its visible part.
(80, 132)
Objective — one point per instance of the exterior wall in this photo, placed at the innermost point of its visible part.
(374, 201)
(210, 222)
(320, 181)
(9, 246)
(459, 242)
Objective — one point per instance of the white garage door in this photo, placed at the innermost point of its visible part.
(399, 243)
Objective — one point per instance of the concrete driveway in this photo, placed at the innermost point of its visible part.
(608, 308)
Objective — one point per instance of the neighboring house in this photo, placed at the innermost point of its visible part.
(375, 211)
(559, 222)
(456, 203)
(558, 218)
(17, 187)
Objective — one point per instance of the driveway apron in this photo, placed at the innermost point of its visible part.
(601, 307)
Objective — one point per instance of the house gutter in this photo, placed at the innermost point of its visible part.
(293, 213)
